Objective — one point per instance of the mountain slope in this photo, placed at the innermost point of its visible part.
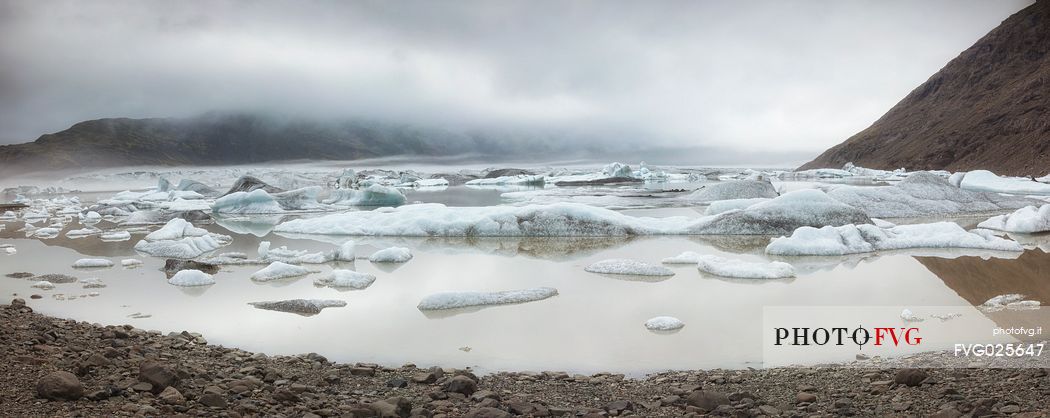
(987, 108)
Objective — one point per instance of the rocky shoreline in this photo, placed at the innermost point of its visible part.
(59, 367)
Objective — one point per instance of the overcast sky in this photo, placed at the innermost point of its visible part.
(780, 75)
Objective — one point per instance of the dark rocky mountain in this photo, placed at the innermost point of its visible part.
(988, 108)
(220, 138)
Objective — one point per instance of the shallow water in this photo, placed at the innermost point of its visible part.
(594, 324)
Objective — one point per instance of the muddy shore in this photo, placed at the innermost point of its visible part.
(59, 367)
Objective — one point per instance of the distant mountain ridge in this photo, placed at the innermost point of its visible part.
(214, 139)
(987, 108)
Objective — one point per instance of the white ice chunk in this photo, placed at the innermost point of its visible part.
(116, 236)
(391, 255)
(855, 239)
(519, 180)
(83, 232)
(92, 283)
(346, 251)
(92, 262)
(454, 300)
(908, 316)
(987, 181)
(439, 182)
(8, 216)
(90, 217)
(629, 267)
(725, 267)
(278, 270)
(347, 279)
(188, 247)
(687, 257)
(175, 229)
(664, 323)
(46, 233)
(1011, 301)
(254, 202)
(720, 206)
(373, 195)
(1028, 219)
(191, 278)
(130, 262)
(44, 285)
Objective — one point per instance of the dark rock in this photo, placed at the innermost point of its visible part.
(806, 397)
(56, 278)
(618, 407)
(34, 296)
(430, 376)
(212, 400)
(19, 275)
(707, 400)
(158, 375)
(172, 266)
(910, 377)
(487, 413)
(18, 303)
(460, 384)
(392, 408)
(249, 183)
(397, 382)
(60, 385)
(285, 395)
(362, 371)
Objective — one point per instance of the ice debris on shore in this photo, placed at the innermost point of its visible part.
(191, 278)
(454, 300)
(725, 267)
(1012, 301)
(856, 239)
(346, 279)
(628, 267)
(278, 270)
(664, 323)
(1028, 220)
(391, 255)
(92, 263)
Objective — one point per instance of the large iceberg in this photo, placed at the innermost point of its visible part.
(987, 181)
(725, 267)
(856, 239)
(254, 202)
(454, 300)
(180, 239)
(373, 195)
(922, 194)
(739, 189)
(778, 216)
(1028, 220)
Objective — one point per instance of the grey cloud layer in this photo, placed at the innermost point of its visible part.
(785, 76)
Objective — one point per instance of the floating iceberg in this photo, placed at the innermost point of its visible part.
(257, 201)
(346, 251)
(130, 262)
(115, 236)
(278, 270)
(283, 254)
(782, 215)
(8, 216)
(391, 255)
(519, 180)
(739, 189)
(191, 278)
(720, 206)
(304, 307)
(454, 300)
(725, 267)
(90, 218)
(664, 323)
(92, 283)
(617, 170)
(1028, 220)
(373, 195)
(92, 262)
(46, 233)
(180, 239)
(987, 181)
(922, 194)
(439, 182)
(43, 285)
(83, 232)
(346, 279)
(856, 239)
(687, 257)
(908, 316)
(628, 267)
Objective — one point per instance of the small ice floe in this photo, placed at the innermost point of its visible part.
(346, 251)
(91, 217)
(664, 323)
(628, 267)
(286, 255)
(278, 270)
(1012, 301)
(92, 283)
(8, 249)
(92, 263)
(43, 285)
(1027, 220)
(739, 189)
(454, 300)
(180, 239)
(687, 257)
(346, 279)
(115, 236)
(191, 278)
(725, 267)
(83, 232)
(720, 206)
(304, 307)
(131, 263)
(987, 181)
(46, 233)
(254, 202)
(908, 316)
(8, 216)
(422, 183)
(391, 255)
(856, 239)
(373, 195)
